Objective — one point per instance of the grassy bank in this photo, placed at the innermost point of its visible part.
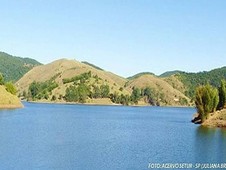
(8, 101)
(217, 119)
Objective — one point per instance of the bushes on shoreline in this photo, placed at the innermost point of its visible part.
(9, 86)
(208, 99)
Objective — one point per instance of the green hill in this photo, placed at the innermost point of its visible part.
(13, 68)
(192, 80)
(170, 73)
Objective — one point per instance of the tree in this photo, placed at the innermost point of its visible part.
(10, 88)
(104, 91)
(136, 94)
(1, 79)
(96, 92)
(222, 95)
(147, 92)
(53, 98)
(34, 89)
(71, 94)
(83, 92)
(124, 99)
(206, 100)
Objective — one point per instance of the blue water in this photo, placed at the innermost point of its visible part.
(54, 136)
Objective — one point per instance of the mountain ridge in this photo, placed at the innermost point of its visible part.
(170, 88)
(13, 68)
(67, 73)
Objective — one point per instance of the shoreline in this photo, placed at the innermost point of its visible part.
(9, 106)
(216, 119)
(100, 104)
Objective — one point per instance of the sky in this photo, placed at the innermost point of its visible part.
(121, 36)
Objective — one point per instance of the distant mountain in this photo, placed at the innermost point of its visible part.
(72, 81)
(92, 65)
(170, 73)
(139, 74)
(192, 80)
(13, 68)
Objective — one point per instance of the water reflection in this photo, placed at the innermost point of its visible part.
(210, 145)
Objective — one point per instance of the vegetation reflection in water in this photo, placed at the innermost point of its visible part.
(209, 141)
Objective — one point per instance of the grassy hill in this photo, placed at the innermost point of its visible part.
(92, 65)
(68, 74)
(73, 81)
(7, 100)
(139, 75)
(13, 68)
(162, 91)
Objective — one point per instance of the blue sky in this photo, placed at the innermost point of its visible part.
(121, 36)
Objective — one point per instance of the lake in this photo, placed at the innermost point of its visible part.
(57, 136)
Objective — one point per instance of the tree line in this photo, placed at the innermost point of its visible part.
(87, 86)
(40, 90)
(192, 80)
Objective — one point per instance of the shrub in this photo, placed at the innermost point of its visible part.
(53, 98)
(10, 88)
(206, 100)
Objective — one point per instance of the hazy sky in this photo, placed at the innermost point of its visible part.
(122, 36)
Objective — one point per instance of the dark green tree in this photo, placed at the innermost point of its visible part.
(136, 94)
(83, 92)
(53, 98)
(34, 89)
(222, 95)
(1, 79)
(71, 94)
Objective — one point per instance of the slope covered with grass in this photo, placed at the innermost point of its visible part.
(7, 100)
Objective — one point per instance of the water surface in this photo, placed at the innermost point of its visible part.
(55, 136)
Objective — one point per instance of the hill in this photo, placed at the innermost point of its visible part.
(192, 80)
(161, 91)
(170, 73)
(139, 75)
(92, 65)
(13, 68)
(73, 81)
(67, 75)
(7, 100)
